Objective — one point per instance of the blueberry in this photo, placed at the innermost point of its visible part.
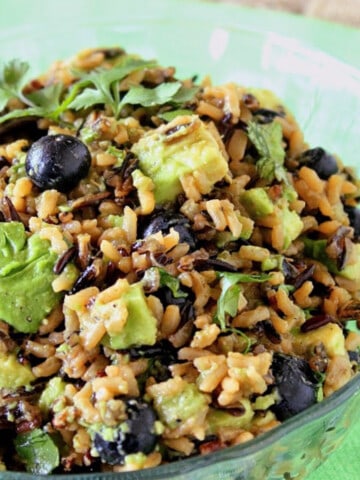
(163, 220)
(134, 435)
(57, 161)
(108, 450)
(354, 218)
(321, 161)
(296, 385)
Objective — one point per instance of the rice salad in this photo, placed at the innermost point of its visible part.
(179, 269)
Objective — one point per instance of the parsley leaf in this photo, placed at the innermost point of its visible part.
(230, 291)
(267, 140)
(12, 81)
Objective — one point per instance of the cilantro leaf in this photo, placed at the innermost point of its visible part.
(185, 94)
(150, 97)
(101, 86)
(88, 98)
(47, 98)
(267, 140)
(230, 291)
(12, 81)
(239, 332)
(156, 277)
(45, 103)
(4, 98)
(173, 283)
(170, 115)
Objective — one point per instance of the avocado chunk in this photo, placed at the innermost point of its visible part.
(26, 274)
(330, 335)
(53, 390)
(220, 419)
(38, 451)
(292, 226)
(141, 325)
(181, 401)
(184, 146)
(12, 373)
(257, 202)
(316, 249)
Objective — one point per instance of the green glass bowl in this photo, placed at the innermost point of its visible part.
(230, 44)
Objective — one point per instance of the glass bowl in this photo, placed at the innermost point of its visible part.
(230, 45)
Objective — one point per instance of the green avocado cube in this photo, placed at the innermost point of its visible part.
(257, 202)
(184, 146)
(141, 325)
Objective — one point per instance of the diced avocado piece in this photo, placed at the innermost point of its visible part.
(26, 274)
(38, 451)
(292, 226)
(141, 325)
(186, 402)
(12, 373)
(53, 390)
(330, 335)
(116, 220)
(181, 147)
(220, 419)
(263, 402)
(316, 249)
(257, 202)
(352, 271)
(274, 262)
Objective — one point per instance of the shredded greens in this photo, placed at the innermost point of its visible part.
(230, 291)
(267, 140)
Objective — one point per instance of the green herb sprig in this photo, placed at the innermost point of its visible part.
(99, 87)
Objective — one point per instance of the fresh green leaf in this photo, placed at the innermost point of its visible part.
(37, 450)
(165, 93)
(185, 94)
(156, 277)
(316, 249)
(47, 98)
(227, 304)
(46, 103)
(230, 291)
(88, 98)
(12, 76)
(168, 116)
(4, 98)
(267, 140)
(104, 86)
(119, 154)
(22, 113)
(97, 87)
(173, 283)
(150, 97)
(239, 332)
